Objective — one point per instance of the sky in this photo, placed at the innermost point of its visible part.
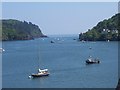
(60, 17)
(60, 0)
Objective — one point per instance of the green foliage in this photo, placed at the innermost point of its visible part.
(104, 30)
(18, 30)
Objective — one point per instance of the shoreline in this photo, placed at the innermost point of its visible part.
(25, 39)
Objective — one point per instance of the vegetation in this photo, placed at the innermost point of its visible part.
(18, 30)
(104, 30)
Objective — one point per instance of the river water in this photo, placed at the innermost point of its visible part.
(65, 60)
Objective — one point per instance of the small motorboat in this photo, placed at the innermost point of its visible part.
(90, 60)
(2, 50)
(83, 41)
(40, 73)
(52, 42)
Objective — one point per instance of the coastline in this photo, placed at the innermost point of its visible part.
(26, 38)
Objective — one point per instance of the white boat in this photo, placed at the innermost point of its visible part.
(91, 60)
(2, 50)
(41, 73)
(83, 41)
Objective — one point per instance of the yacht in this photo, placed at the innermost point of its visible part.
(41, 73)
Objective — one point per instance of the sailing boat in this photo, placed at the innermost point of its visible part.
(41, 72)
(91, 60)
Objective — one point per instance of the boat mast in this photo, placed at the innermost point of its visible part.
(38, 54)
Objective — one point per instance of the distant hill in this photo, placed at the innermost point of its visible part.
(104, 30)
(18, 30)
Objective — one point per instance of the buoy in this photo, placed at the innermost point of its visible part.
(90, 47)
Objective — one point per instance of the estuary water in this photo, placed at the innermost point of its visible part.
(65, 59)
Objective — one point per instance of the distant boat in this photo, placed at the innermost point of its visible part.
(83, 41)
(91, 60)
(52, 42)
(90, 47)
(43, 39)
(2, 50)
(41, 73)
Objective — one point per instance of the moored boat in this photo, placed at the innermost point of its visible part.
(52, 42)
(2, 50)
(91, 60)
(41, 73)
